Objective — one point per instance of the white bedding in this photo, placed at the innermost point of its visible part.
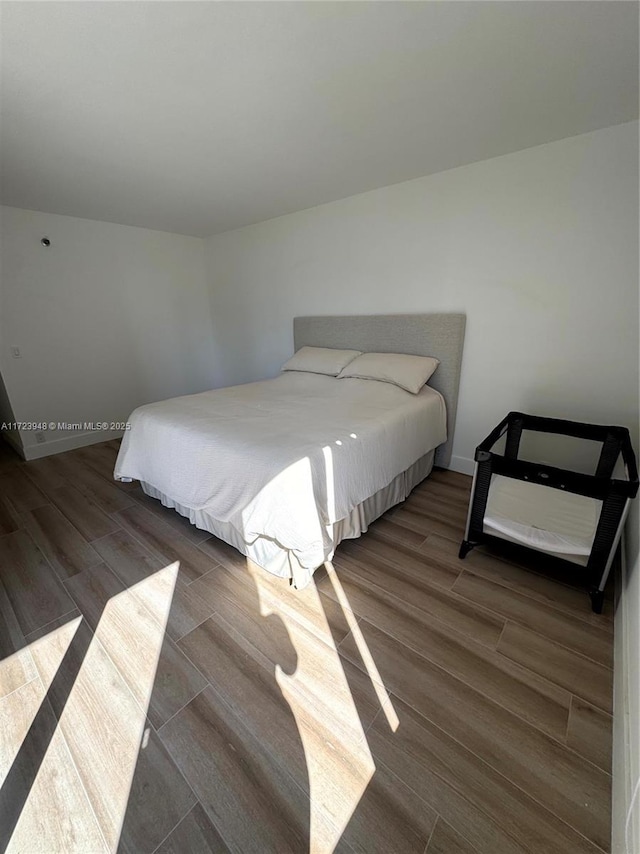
(284, 458)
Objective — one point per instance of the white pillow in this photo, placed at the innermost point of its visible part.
(408, 372)
(320, 360)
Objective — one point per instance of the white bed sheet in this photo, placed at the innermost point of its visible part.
(282, 562)
(282, 459)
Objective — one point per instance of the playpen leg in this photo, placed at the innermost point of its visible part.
(465, 548)
(597, 600)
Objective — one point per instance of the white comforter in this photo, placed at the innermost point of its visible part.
(282, 458)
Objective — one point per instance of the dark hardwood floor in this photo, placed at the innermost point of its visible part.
(159, 693)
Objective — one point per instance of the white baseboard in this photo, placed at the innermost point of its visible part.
(462, 465)
(67, 443)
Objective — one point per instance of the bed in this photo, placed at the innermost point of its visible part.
(286, 468)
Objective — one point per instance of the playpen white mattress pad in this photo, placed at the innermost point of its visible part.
(543, 518)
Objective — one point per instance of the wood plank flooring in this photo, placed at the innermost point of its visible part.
(160, 693)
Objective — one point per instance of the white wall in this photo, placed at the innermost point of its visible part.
(626, 697)
(108, 318)
(626, 706)
(539, 248)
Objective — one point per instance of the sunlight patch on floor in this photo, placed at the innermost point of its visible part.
(363, 649)
(56, 814)
(132, 633)
(16, 670)
(339, 762)
(102, 726)
(18, 710)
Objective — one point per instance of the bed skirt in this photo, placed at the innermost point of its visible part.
(283, 562)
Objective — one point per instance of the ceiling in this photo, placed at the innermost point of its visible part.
(201, 117)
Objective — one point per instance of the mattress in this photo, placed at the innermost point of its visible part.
(539, 517)
(283, 459)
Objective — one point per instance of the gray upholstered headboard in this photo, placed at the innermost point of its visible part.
(439, 335)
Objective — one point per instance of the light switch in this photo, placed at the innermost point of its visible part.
(15, 352)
